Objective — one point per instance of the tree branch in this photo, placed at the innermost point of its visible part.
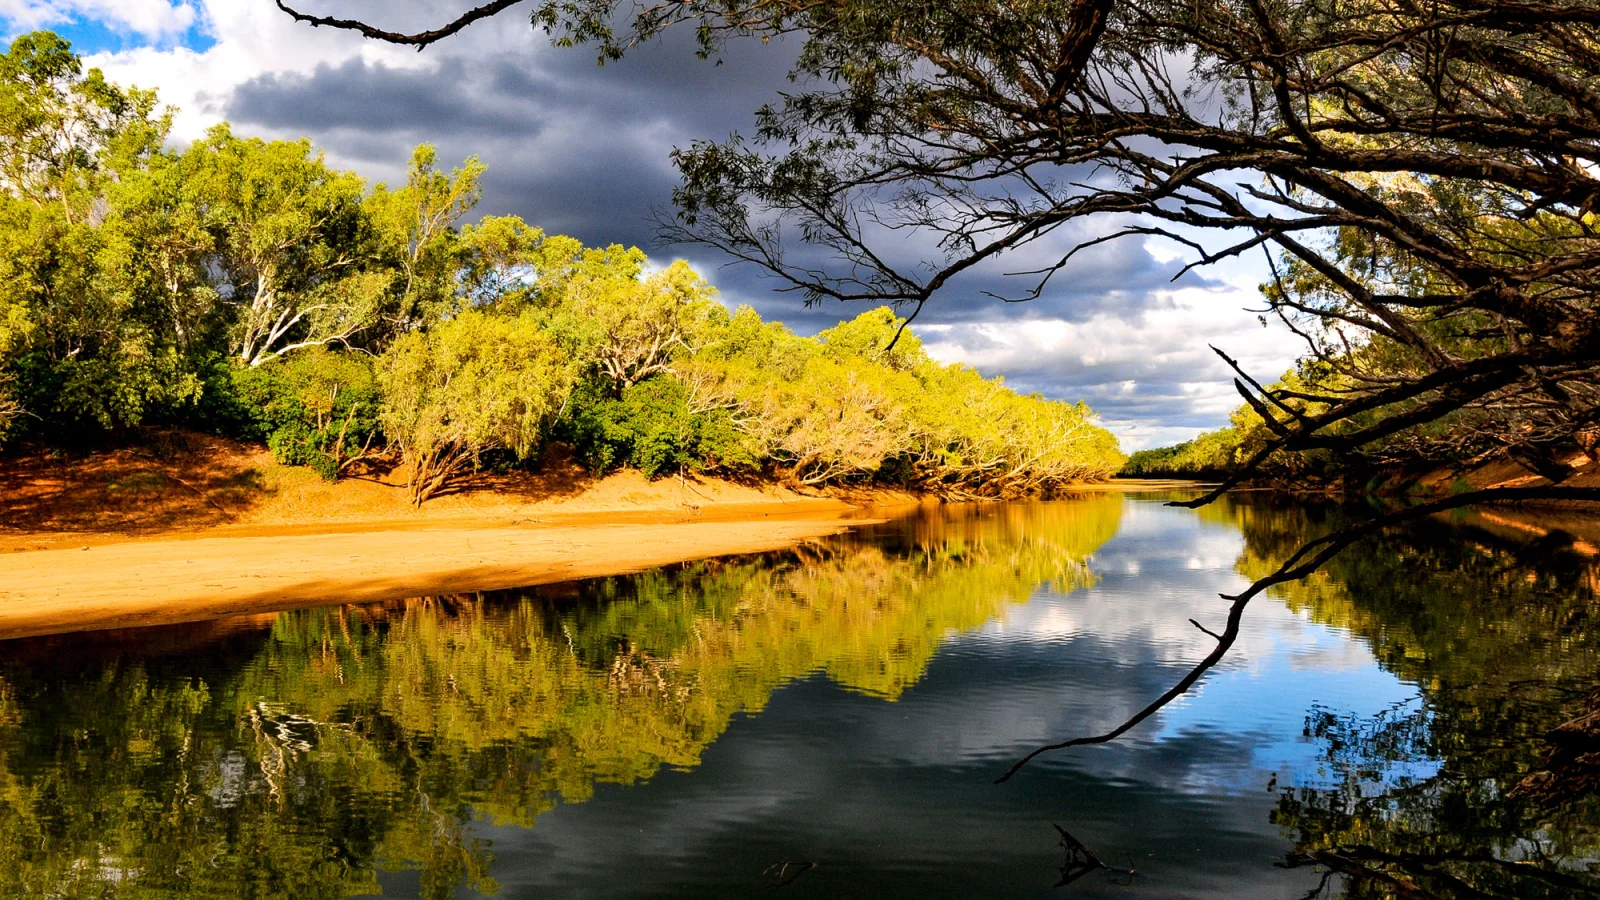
(420, 39)
(1298, 566)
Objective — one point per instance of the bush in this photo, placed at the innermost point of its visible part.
(652, 428)
(317, 408)
(67, 397)
(475, 383)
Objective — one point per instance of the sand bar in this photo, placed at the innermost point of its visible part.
(190, 578)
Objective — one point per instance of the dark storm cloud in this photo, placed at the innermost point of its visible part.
(377, 100)
(1120, 279)
(571, 146)
(584, 149)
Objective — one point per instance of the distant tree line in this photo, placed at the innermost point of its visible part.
(1474, 435)
(246, 287)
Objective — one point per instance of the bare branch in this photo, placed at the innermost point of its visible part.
(420, 39)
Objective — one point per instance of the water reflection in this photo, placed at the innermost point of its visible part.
(830, 719)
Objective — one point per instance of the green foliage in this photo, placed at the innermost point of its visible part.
(652, 429)
(127, 271)
(1213, 454)
(318, 409)
(80, 341)
(245, 286)
(843, 407)
(1449, 439)
(628, 325)
(290, 234)
(417, 241)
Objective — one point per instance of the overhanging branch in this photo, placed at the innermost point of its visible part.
(420, 39)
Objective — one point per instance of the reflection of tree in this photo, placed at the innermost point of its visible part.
(1500, 637)
(369, 737)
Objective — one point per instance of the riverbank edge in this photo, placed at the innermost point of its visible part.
(189, 577)
(54, 582)
(1435, 483)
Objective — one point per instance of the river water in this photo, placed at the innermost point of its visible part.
(828, 723)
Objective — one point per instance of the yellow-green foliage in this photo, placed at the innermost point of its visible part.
(133, 276)
(476, 382)
(1212, 454)
(843, 406)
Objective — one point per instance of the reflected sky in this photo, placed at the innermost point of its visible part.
(896, 800)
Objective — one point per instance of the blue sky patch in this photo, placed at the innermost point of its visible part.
(89, 36)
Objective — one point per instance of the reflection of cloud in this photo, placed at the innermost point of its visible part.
(823, 776)
(1337, 656)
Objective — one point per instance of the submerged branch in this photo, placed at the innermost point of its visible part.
(1310, 557)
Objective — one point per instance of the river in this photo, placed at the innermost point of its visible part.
(828, 722)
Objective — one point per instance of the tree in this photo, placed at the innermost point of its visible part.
(10, 409)
(504, 259)
(477, 382)
(81, 339)
(62, 129)
(416, 227)
(161, 241)
(631, 326)
(1421, 177)
(290, 236)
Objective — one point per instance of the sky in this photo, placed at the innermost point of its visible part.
(584, 150)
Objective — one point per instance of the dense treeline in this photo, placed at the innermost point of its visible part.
(246, 287)
(1209, 455)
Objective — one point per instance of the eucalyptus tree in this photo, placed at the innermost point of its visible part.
(1422, 178)
(416, 226)
(631, 325)
(63, 130)
(79, 338)
(292, 240)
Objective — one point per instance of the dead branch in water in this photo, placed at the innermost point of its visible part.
(1310, 557)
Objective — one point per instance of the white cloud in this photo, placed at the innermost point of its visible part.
(256, 38)
(153, 19)
(1135, 370)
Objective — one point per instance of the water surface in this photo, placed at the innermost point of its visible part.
(828, 722)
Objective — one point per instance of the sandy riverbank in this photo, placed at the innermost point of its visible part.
(185, 527)
(61, 582)
(189, 578)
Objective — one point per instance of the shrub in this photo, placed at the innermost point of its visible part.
(652, 428)
(477, 382)
(317, 408)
